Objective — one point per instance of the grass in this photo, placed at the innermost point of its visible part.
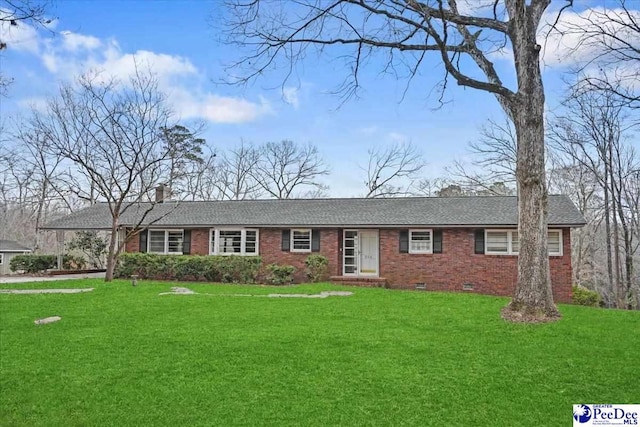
(125, 356)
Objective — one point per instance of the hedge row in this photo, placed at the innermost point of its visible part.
(227, 269)
(39, 263)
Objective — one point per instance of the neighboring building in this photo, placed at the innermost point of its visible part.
(9, 249)
(445, 244)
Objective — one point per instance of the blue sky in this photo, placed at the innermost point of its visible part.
(180, 39)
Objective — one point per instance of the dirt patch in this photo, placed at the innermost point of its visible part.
(45, 291)
(519, 317)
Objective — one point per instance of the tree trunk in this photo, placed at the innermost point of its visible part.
(607, 228)
(533, 297)
(615, 200)
(41, 203)
(112, 254)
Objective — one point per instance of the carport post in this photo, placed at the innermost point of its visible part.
(60, 247)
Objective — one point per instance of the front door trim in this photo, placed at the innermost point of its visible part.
(355, 261)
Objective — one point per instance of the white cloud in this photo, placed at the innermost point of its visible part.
(397, 137)
(74, 42)
(291, 96)
(20, 37)
(368, 130)
(217, 109)
(164, 66)
(73, 54)
(565, 44)
(38, 104)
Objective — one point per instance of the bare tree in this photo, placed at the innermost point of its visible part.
(591, 135)
(29, 186)
(13, 14)
(494, 154)
(430, 187)
(391, 172)
(15, 179)
(236, 178)
(463, 42)
(111, 133)
(201, 177)
(612, 35)
(45, 177)
(286, 166)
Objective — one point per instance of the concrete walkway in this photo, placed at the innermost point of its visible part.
(27, 279)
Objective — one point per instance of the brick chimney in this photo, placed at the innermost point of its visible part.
(162, 193)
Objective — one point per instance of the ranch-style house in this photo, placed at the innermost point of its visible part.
(444, 244)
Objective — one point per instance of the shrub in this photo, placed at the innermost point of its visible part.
(72, 262)
(584, 296)
(92, 246)
(317, 266)
(280, 274)
(39, 263)
(229, 269)
(33, 263)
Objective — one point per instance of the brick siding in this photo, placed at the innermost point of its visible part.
(447, 271)
(458, 264)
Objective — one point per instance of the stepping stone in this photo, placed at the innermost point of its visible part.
(47, 320)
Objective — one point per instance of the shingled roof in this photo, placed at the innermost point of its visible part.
(12, 246)
(404, 212)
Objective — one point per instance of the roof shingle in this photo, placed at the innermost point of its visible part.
(404, 212)
(13, 246)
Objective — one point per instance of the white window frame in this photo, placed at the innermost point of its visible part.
(1, 258)
(509, 241)
(121, 235)
(510, 250)
(421, 230)
(300, 230)
(214, 237)
(559, 231)
(166, 241)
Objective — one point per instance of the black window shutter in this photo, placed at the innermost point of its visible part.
(143, 240)
(437, 241)
(404, 241)
(315, 240)
(186, 242)
(286, 240)
(479, 241)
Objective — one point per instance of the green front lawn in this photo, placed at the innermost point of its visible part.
(126, 356)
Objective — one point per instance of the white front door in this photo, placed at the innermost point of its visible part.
(360, 252)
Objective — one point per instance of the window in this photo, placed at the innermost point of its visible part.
(121, 235)
(420, 242)
(300, 240)
(1, 258)
(251, 242)
(506, 242)
(165, 241)
(498, 242)
(554, 240)
(229, 241)
(234, 242)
